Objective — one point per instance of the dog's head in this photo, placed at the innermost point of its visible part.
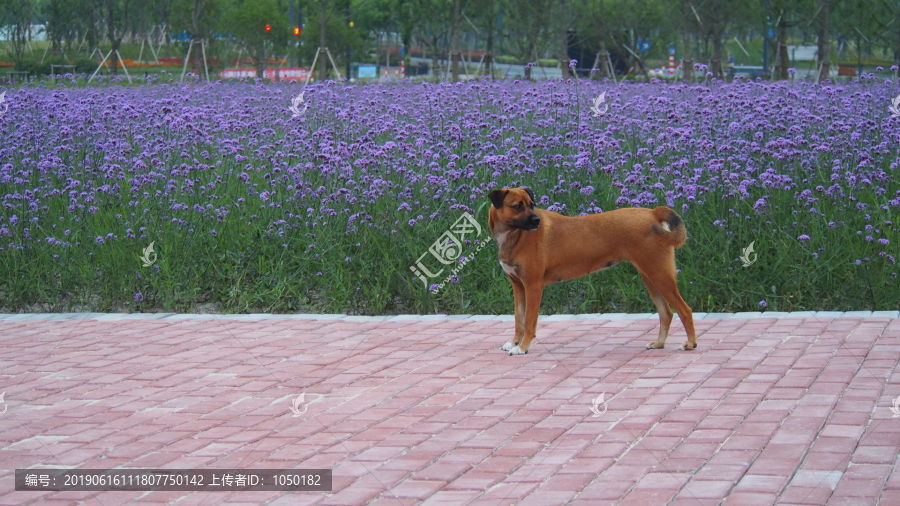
(515, 207)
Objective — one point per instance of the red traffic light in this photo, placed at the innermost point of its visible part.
(268, 28)
(296, 30)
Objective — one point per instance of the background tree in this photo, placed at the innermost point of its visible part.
(783, 15)
(371, 17)
(119, 16)
(563, 17)
(526, 28)
(454, 44)
(406, 16)
(858, 25)
(60, 22)
(889, 27)
(89, 19)
(821, 21)
(200, 18)
(639, 22)
(484, 18)
(17, 16)
(324, 14)
(594, 27)
(432, 26)
(633, 22)
(160, 13)
(330, 28)
(716, 19)
(246, 20)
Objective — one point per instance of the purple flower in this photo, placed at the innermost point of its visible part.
(763, 303)
(138, 297)
(789, 153)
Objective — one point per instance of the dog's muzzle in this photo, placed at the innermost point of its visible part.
(527, 222)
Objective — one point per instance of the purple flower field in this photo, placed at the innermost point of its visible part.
(252, 208)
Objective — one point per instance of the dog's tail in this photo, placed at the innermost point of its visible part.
(670, 228)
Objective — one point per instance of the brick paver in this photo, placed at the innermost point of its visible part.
(794, 409)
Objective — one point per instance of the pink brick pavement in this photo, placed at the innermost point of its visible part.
(787, 410)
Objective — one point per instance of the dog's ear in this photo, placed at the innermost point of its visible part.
(530, 194)
(497, 197)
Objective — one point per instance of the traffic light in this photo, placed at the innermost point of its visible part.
(268, 28)
(297, 31)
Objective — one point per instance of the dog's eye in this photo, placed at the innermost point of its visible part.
(517, 207)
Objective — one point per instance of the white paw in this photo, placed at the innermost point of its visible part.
(515, 350)
(508, 346)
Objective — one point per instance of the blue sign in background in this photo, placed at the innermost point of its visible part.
(367, 72)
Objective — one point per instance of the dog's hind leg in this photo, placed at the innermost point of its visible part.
(519, 311)
(665, 314)
(663, 279)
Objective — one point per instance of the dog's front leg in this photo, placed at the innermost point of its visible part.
(519, 311)
(533, 293)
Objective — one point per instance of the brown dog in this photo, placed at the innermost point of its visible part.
(539, 247)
